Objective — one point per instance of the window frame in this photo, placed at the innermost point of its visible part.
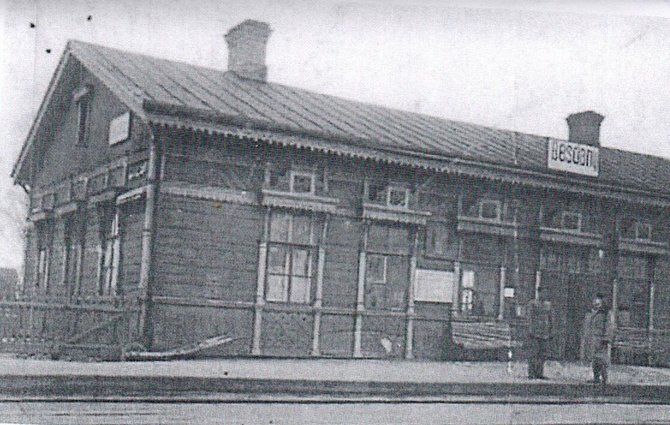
(296, 173)
(396, 188)
(109, 249)
(73, 239)
(82, 99)
(564, 214)
(498, 206)
(384, 259)
(648, 226)
(290, 247)
(45, 230)
(433, 227)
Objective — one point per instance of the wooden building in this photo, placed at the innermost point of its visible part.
(194, 203)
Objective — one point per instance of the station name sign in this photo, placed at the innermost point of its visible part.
(573, 157)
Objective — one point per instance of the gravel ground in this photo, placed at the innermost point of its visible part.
(337, 370)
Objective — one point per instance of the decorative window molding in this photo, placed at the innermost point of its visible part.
(571, 221)
(302, 182)
(291, 258)
(298, 201)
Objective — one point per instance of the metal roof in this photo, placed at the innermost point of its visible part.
(179, 89)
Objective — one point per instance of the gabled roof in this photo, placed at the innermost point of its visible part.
(163, 91)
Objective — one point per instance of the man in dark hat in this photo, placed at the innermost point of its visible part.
(598, 334)
(540, 330)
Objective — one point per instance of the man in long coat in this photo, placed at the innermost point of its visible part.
(540, 331)
(598, 334)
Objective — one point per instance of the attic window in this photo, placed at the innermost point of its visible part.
(82, 99)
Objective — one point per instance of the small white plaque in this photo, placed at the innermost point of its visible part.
(119, 129)
(434, 286)
(509, 292)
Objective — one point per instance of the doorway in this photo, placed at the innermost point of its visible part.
(569, 276)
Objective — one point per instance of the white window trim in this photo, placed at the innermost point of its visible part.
(571, 213)
(495, 202)
(384, 270)
(390, 189)
(312, 177)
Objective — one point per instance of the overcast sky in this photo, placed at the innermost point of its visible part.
(522, 65)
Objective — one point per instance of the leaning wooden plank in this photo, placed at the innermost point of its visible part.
(180, 353)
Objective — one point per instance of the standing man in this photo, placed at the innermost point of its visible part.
(598, 334)
(540, 330)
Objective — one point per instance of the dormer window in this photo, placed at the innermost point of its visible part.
(571, 221)
(302, 182)
(490, 210)
(82, 98)
(643, 231)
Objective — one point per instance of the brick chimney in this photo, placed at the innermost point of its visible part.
(585, 128)
(246, 49)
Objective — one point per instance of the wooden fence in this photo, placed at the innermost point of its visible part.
(54, 326)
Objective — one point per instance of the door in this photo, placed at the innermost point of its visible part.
(567, 276)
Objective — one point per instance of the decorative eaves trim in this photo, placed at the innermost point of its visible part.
(274, 198)
(437, 163)
(397, 215)
(571, 237)
(208, 192)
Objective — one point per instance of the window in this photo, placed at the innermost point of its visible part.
(437, 239)
(73, 245)
(290, 258)
(109, 250)
(571, 221)
(643, 231)
(489, 210)
(302, 182)
(387, 267)
(479, 291)
(391, 196)
(376, 269)
(44, 239)
(82, 97)
(397, 197)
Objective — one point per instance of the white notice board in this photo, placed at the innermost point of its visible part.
(434, 286)
(119, 129)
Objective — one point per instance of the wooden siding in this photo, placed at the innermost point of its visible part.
(286, 334)
(178, 325)
(30, 259)
(383, 337)
(61, 155)
(341, 268)
(132, 221)
(337, 335)
(431, 340)
(206, 249)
